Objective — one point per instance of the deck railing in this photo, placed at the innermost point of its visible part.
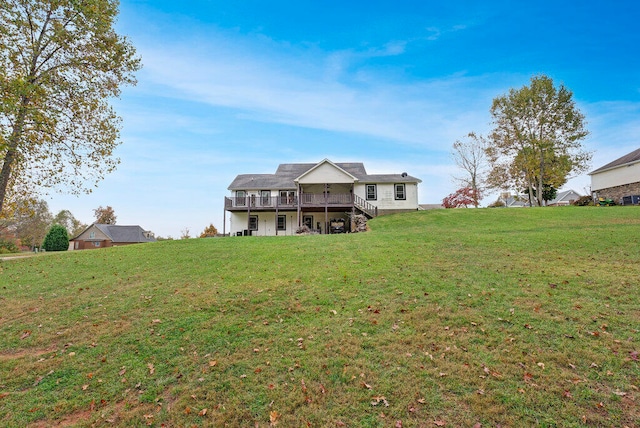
(306, 200)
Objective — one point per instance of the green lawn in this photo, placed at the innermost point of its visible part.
(510, 317)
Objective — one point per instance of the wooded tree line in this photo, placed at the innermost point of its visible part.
(32, 221)
(533, 148)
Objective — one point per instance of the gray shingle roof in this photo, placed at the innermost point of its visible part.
(288, 172)
(127, 234)
(634, 156)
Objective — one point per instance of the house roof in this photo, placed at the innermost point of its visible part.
(564, 195)
(287, 173)
(632, 157)
(123, 234)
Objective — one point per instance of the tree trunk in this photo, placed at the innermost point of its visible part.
(12, 151)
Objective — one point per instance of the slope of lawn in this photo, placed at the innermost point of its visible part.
(510, 317)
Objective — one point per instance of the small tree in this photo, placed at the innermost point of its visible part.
(470, 156)
(57, 239)
(105, 215)
(209, 232)
(185, 233)
(461, 198)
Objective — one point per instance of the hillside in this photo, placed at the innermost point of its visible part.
(510, 317)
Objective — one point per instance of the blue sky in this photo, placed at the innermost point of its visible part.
(239, 87)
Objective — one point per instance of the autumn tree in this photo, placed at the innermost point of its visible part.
(61, 62)
(469, 154)
(72, 224)
(209, 232)
(105, 215)
(461, 198)
(31, 221)
(536, 139)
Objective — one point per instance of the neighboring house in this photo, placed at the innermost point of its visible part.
(109, 235)
(319, 196)
(618, 180)
(566, 197)
(512, 202)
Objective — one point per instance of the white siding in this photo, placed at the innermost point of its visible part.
(386, 199)
(326, 173)
(616, 177)
(266, 223)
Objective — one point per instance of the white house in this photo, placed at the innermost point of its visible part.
(319, 196)
(618, 180)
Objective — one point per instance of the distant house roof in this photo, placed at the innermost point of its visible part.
(287, 173)
(512, 201)
(629, 158)
(122, 234)
(564, 196)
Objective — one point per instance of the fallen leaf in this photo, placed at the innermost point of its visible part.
(541, 365)
(25, 334)
(567, 394)
(156, 321)
(379, 399)
(439, 423)
(213, 363)
(122, 372)
(151, 368)
(202, 412)
(366, 385)
(84, 387)
(273, 417)
(422, 400)
(477, 425)
(187, 410)
(398, 424)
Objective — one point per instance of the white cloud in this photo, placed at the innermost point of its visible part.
(290, 88)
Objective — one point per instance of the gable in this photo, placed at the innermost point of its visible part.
(326, 172)
(92, 233)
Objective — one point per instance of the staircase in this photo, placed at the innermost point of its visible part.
(367, 209)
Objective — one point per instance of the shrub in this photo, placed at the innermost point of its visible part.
(583, 201)
(57, 239)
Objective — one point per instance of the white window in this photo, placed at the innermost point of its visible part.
(282, 222)
(372, 193)
(253, 222)
(400, 193)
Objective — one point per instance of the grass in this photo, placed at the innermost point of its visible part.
(510, 317)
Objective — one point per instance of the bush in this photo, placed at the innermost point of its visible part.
(583, 201)
(8, 245)
(57, 239)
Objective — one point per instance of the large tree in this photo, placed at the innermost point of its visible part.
(61, 62)
(73, 225)
(536, 139)
(469, 154)
(31, 221)
(105, 215)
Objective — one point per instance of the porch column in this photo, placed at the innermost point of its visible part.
(277, 206)
(326, 208)
(248, 201)
(299, 202)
